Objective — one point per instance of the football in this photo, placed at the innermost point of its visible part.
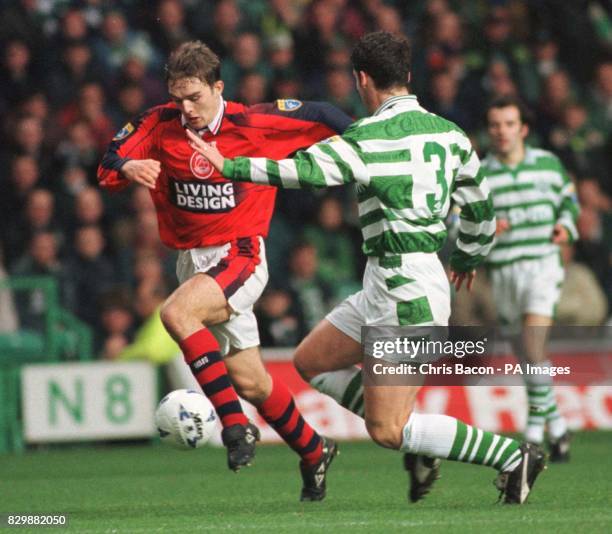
(185, 419)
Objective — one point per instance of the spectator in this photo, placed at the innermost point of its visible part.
(226, 23)
(315, 40)
(280, 52)
(557, 92)
(310, 295)
(73, 27)
(546, 54)
(151, 341)
(131, 101)
(246, 59)
(582, 301)
(388, 20)
(341, 92)
(74, 69)
(134, 71)
(23, 178)
(579, 144)
(19, 20)
(336, 265)
(253, 89)
(37, 216)
(89, 274)
(600, 101)
(90, 108)
(77, 149)
(118, 42)
(41, 259)
(595, 247)
(9, 320)
(16, 72)
(149, 278)
(27, 137)
(89, 210)
(73, 180)
(445, 100)
(169, 29)
(278, 323)
(117, 319)
(285, 84)
(500, 44)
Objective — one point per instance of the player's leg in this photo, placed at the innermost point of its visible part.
(197, 302)
(415, 292)
(276, 405)
(392, 423)
(327, 359)
(208, 278)
(543, 411)
(541, 287)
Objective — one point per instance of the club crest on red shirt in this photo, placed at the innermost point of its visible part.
(200, 166)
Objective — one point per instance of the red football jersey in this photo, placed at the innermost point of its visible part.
(195, 205)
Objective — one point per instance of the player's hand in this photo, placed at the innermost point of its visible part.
(142, 171)
(501, 226)
(457, 279)
(206, 149)
(560, 235)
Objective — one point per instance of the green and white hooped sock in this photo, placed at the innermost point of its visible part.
(441, 436)
(344, 386)
(542, 408)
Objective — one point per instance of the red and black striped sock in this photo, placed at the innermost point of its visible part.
(202, 354)
(281, 414)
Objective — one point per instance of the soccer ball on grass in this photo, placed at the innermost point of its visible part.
(185, 419)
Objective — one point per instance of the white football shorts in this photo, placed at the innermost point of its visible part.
(411, 289)
(527, 286)
(241, 271)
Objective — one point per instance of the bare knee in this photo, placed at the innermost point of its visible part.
(175, 318)
(386, 433)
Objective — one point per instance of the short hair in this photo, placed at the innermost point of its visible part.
(193, 59)
(507, 101)
(385, 57)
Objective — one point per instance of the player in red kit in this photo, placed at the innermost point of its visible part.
(218, 228)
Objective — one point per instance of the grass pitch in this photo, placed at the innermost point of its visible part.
(153, 489)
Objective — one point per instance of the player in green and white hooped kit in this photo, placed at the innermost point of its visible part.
(536, 211)
(407, 164)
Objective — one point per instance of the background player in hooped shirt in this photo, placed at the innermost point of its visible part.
(218, 228)
(536, 209)
(407, 163)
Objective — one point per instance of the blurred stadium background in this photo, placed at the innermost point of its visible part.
(82, 272)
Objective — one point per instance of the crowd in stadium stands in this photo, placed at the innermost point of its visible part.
(74, 72)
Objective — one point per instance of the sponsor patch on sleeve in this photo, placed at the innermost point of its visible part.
(289, 104)
(124, 132)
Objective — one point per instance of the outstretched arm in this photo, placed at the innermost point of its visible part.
(326, 164)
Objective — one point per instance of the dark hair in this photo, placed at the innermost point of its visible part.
(385, 57)
(507, 101)
(193, 59)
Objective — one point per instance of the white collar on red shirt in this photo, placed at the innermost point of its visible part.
(214, 125)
